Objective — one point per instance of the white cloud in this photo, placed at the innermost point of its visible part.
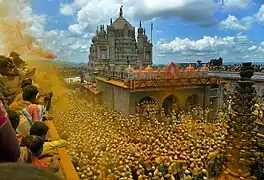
(231, 48)
(242, 4)
(260, 49)
(245, 57)
(90, 12)
(252, 48)
(65, 46)
(189, 10)
(206, 44)
(260, 14)
(66, 9)
(232, 23)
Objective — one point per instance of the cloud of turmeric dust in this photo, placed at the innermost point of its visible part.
(15, 35)
(48, 77)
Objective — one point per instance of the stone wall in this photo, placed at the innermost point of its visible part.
(125, 100)
(114, 97)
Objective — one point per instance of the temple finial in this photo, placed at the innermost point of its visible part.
(140, 24)
(121, 11)
(111, 21)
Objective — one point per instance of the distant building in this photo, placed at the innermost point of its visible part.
(117, 45)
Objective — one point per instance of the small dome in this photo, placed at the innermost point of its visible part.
(101, 33)
(189, 68)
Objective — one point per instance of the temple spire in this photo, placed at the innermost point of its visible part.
(121, 11)
(140, 24)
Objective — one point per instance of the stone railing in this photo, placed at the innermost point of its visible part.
(170, 82)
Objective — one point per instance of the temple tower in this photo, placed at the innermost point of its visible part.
(117, 45)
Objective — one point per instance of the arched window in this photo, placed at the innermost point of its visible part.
(170, 104)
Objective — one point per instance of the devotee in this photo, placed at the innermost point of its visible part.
(25, 153)
(5, 91)
(33, 113)
(25, 156)
(29, 112)
(19, 97)
(14, 118)
(9, 146)
(35, 144)
(44, 99)
(7, 67)
(9, 96)
(19, 65)
(39, 129)
(17, 60)
(206, 114)
(29, 96)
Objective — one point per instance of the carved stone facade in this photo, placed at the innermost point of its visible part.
(117, 45)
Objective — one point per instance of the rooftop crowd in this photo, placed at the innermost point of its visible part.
(24, 107)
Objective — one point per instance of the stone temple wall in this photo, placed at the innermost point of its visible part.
(114, 97)
(125, 100)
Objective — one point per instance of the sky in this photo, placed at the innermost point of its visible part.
(183, 31)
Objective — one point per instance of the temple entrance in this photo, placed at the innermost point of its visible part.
(171, 103)
(145, 100)
(145, 105)
(191, 101)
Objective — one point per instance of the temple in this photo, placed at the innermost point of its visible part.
(118, 46)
